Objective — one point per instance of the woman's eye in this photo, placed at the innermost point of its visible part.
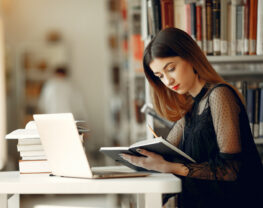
(160, 76)
(171, 69)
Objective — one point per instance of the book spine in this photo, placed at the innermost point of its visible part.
(256, 112)
(209, 28)
(156, 10)
(180, 14)
(252, 27)
(199, 25)
(246, 26)
(240, 30)
(244, 89)
(193, 20)
(250, 108)
(150, 18)
(223, 27)
(260, 29)
(188, 18)
(204, 37)
(229, 28)
(233, 26)
(167, 13)
(261, 114)
(216, 26)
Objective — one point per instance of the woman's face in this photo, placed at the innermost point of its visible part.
(176, 74)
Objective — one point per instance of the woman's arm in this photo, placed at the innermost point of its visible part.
(225, 113)
(176, 133)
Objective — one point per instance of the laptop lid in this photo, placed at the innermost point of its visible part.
(63, 148)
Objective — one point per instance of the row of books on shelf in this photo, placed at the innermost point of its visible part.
(253, 95)
(32, 155)
(220, 27)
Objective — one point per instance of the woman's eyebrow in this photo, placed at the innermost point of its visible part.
(167, 65)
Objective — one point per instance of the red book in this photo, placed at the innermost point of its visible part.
(253, 11)
(188, 18)
(167, 13)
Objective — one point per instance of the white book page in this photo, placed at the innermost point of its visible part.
(161, 140)
(22, 134)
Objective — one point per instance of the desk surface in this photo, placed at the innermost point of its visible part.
(13, 182)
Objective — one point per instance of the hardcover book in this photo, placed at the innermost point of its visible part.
(157, 145)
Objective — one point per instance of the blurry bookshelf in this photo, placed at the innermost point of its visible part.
(35, 64)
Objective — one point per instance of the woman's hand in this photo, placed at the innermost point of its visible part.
(152, 161)
(156, 162)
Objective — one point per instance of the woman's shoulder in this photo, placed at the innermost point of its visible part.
(221, 89)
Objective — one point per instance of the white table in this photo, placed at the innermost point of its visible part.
(149, 189)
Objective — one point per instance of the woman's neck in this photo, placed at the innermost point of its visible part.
(197, 87)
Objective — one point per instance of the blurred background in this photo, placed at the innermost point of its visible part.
(94, 42)
(53, 52)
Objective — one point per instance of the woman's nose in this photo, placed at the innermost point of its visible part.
(170, 80)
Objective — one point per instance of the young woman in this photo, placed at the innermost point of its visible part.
(211, 126)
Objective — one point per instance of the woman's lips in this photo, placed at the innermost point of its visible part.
(176, 87)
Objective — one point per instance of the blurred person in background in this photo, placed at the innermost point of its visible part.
(58, 95)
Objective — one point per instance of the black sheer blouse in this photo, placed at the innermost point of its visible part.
(216, 133)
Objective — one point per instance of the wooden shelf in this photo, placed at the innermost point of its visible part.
(235, 59)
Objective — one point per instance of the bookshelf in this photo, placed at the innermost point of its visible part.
(233, 63)
(35, 64)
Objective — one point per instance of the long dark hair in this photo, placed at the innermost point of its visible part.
(172, 42)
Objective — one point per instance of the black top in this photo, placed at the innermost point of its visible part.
(216, 133)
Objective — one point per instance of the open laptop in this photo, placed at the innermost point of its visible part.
(64, 151)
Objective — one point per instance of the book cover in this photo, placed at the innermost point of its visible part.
(233, 26)
(252, 26)
(28, 147)
(216, 26)
(32, 153)
(157, 145)
(261, 114)
(156, 11)
(260, 29)
(209, 27)
(246, 26)
(33, 166)
(240, 36)
(167, 13)
(204, 37)
(30, 131)
(27, 141)
(199, 25)
(188, 19)
(179, 14)
(40, 157)
(193, 20)
(223, 27)
(256, 112)
(250, 107)
(150, 18)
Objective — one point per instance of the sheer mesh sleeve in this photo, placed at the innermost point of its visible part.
(225, 113)
(176, 132)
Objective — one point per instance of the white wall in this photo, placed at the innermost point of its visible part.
(2, 100)
(83, 25)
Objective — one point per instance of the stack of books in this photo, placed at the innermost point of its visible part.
(32, 155)
(33, 158)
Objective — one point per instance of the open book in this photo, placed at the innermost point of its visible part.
(157, 145)
(30, 131)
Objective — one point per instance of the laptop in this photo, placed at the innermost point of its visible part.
(64, 151)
